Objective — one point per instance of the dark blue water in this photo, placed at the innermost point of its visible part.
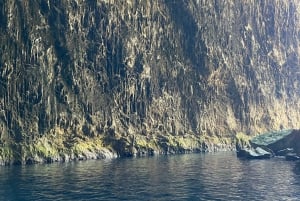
(219, 176)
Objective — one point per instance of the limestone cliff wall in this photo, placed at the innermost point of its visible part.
(138, 74)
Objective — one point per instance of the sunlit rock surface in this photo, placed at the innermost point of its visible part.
(140, 77)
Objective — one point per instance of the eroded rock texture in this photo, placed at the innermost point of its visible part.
(141, 76)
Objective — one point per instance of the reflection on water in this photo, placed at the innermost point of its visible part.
(219, 176)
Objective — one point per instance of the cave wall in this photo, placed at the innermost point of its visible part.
(162, 67)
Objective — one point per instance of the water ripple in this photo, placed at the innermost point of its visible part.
(219, 176)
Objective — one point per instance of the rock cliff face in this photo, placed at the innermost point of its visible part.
(81, 79)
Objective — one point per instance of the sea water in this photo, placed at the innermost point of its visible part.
(210, 176)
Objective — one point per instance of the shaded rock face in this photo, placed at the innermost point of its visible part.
(257, 153)
(143, 75)
(277, 143)
(281, 142)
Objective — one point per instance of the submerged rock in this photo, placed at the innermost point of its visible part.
(292, 157)
(284, 152)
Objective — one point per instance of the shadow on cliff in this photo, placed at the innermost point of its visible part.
(194, 49)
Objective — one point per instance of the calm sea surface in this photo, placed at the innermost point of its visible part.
(218, 176)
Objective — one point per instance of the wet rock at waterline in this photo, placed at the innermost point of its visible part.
(257, 153)
(292, 157)
(277, 143)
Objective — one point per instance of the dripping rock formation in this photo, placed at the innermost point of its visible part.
(105, 78)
